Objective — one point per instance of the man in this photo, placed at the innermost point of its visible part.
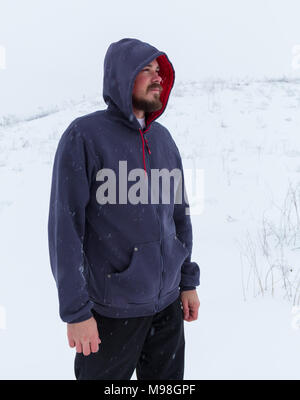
(123, 268)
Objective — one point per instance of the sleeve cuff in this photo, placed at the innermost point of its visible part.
(184, 288)
(81, 319)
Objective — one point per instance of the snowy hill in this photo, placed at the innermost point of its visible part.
(245, 137)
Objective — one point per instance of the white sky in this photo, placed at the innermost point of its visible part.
(55, 49)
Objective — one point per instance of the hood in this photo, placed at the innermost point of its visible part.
(123, 61)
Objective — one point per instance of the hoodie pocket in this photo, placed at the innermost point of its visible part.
(139, 282)
(175, 253)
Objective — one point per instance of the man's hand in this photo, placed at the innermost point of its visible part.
(84, 335)
(190, 304)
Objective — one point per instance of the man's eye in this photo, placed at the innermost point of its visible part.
(147, 70)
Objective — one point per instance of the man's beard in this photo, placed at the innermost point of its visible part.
(146, 105)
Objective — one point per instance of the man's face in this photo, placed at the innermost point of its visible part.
(147, 89)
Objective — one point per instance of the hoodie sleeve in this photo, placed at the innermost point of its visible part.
(69, 197)
(190, 271)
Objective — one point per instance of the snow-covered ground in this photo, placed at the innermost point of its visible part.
(245, 137)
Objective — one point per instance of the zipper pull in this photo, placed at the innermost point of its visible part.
(147, 146)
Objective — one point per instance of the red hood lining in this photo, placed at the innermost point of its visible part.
(167, 75)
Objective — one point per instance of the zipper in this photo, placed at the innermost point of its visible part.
(147, 145)
(148, 152)
(160, 235)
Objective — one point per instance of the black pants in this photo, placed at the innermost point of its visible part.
(153, 345)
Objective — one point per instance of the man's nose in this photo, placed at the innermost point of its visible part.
(156, 78)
